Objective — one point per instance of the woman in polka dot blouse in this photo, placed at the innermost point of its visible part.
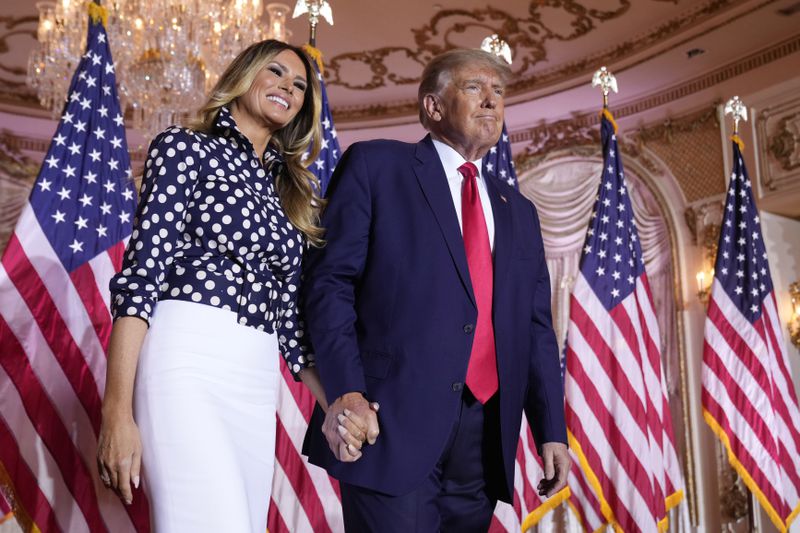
(207, 298)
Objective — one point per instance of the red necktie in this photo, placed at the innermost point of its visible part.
(482, 369)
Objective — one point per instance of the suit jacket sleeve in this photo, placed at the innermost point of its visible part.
(545, 402)
(332, 274)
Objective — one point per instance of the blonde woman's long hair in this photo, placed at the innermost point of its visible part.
(297, 186)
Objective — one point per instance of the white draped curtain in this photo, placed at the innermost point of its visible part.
(563, 191)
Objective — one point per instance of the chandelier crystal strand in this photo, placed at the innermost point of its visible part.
(168, 53)
(62, 38)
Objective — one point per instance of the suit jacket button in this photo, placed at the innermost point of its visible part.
(468, 328)
(458, 386)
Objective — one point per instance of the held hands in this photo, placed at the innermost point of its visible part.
(349, 422)
(119, 455)
(556, 467)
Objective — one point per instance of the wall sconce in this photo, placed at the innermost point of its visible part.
(794, 322)
(704, 282)
(705, 277)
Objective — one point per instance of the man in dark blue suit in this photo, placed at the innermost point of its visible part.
(431, 298)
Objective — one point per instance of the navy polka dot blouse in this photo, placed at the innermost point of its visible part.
(210, 229)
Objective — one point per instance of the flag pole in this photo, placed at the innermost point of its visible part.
(312, 31)
(315, 9)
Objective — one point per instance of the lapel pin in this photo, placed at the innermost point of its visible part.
(503, 198)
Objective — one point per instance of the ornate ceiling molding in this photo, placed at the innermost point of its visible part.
(527, 38)
(554, 135)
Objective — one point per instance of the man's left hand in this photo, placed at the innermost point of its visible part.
(556, 467)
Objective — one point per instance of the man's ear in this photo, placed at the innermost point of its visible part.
(433, 107)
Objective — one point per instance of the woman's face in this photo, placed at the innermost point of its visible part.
(277, 92)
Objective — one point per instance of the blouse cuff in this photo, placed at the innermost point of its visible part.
(131, 305)
(298, 354)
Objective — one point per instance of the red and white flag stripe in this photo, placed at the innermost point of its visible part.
(54, 327)
(750, 403)
(625, 468)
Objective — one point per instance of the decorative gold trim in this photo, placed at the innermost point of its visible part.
(21, 514)
(776, 519)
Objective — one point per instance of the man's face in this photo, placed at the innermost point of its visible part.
(471, 110)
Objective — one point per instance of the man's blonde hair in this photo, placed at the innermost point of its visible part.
(438, 73)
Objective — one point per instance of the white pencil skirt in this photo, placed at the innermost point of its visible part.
(205, 398)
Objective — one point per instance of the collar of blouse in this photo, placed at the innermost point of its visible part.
(225, 126)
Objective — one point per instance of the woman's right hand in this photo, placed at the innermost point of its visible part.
(119, 455)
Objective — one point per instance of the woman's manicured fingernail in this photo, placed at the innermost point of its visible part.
(341, 418)
(347, 412)
(136, 481)
(342, 431)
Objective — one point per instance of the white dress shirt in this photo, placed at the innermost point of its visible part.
(451, 160)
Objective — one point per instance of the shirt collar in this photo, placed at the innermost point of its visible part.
(451, 160)
(225, 125)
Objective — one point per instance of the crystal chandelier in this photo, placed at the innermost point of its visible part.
(167, 53)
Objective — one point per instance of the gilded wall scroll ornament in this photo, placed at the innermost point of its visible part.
(784, 145)
(12, 78)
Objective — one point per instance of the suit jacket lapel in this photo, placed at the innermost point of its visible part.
(503, 237)
(433, 182)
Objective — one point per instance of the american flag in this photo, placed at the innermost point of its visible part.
(748, 397)
(528, 508)
(54, 316)
(304, 497)
(330, 152)
(625, 468)
(499, 161)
